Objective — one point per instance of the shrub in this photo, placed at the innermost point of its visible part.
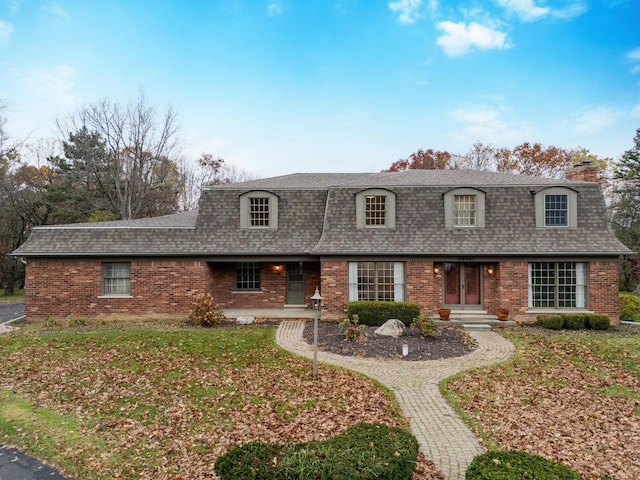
(76, 322)
(363, 451)
(553, 322)
(516, 465)
(573, 321)
(376, 313)
(50, 322)
(204, 312)
(597, 322)
(351, 328)
(629, 307)
(425, 326)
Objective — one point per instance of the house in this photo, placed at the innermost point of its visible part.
(472, 241)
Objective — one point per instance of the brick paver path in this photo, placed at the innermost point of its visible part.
(442, 435)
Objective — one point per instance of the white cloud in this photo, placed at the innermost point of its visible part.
(55, 9)
(6, 30)
(634, 55)
(274, 9)
(459, 38)
(527, 10)
(55, 84)
(484, 123)
(570, 11)
(595, 120)
(407, 10)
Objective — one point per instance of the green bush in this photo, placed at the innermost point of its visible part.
(517, 465)
(351, 328)
(597, 322)
(376, 313)
(552, 322)
(425, 326)
(629, 306)
(364, 451)
(573, 321)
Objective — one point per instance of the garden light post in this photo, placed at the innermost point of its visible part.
(316, 299)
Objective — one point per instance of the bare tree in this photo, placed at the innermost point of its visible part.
(139, 154)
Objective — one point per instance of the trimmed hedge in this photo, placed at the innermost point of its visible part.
(629, 307)
(363, 452)
(376, 313)
(517, 465)
(574, 321)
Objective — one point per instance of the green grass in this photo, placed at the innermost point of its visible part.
(18, 295)
(107, 400)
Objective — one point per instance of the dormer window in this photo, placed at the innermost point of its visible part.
(556, 210)
(556, 207)
(376, 208)
(259, 210)
(464, 208)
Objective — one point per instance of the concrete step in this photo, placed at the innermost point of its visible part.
(476, 326)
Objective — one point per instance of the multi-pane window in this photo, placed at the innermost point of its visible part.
(248, 276)
(464, 210)
(259, 211)
(556, 210)
(374, 210)
(557, 285)
(116, 279)
(376, 281)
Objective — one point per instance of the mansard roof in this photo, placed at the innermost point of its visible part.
(317, 212)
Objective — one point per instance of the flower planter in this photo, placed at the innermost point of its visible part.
(444, 313)
(502, 314)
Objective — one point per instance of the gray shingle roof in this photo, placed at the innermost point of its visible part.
(317, 216)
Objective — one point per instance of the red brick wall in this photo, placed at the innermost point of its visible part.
(334, 289)
(60, 288)
(603, 289)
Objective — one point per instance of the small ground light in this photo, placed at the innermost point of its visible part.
(405, 350)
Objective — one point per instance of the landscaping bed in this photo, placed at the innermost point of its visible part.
(447, 342)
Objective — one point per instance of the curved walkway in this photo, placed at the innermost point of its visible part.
(442, 435)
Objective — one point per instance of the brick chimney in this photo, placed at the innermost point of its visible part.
(584, 171)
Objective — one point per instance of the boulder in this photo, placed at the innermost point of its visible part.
(244, 320)
(391, 328)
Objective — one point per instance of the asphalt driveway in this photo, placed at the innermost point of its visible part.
(10, 310)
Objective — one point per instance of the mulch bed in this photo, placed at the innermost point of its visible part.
(448, 342)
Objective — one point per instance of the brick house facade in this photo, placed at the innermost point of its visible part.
(470, 241)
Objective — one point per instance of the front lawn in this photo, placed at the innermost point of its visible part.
(572, 397)
(18, 295)
(165, 402)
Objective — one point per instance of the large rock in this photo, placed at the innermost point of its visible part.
(391, 328)
(245, 320)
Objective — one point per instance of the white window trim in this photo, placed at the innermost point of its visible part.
(390, 208)
(572, 206)
(582, 289)
(400, 287)
(245, 216)
(449, 221)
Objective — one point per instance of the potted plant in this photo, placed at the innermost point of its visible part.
(502, 314)
(444, 313)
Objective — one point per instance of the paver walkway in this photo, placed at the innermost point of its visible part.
(442, 435)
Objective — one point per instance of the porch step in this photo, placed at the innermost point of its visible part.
(473, 317)
(476, 326)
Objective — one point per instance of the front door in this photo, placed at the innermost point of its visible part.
(295, 284)
(462, 285)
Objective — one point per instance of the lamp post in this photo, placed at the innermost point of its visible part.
(316, 299)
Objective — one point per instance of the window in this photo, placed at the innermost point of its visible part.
(557, 285)
(248, 276)
(556, 207)
(376, 281)
(374, 210)
(556, 210)
(259, 211)
(464, 210)
(116, 279)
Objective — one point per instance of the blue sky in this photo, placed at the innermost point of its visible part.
(281, 86)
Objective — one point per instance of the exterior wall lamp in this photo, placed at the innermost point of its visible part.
(277, 268)
(490, 269)
(436, 269)
(316, 300)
